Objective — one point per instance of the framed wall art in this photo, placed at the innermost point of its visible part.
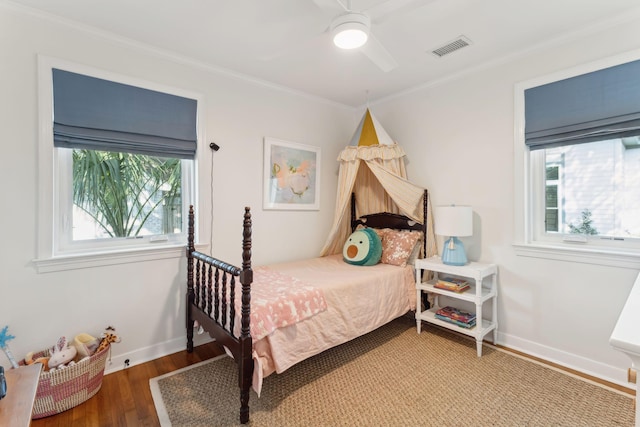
(291, 176)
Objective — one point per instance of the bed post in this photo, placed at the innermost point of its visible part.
(353, 212)
(425, 221)
(425, 228)
(245, 375)
(190, 295)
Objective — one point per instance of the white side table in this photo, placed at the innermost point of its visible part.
(481, 291)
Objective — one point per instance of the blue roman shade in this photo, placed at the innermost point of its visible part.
(601, 105)
(97, 114)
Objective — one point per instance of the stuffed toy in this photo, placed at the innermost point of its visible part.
(62, 353)
(29, 360)
(108, 336)
(363, 247)
(86, 344)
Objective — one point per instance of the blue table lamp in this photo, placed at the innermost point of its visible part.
(453, 222)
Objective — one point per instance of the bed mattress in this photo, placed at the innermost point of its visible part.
(359, 299)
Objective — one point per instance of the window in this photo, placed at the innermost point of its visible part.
(111, 200)
(592, 190)
(578, 163)
(121, 156)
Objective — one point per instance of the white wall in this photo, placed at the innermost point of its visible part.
(145, 301)
(459, 138)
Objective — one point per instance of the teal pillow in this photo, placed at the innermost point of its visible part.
(363, 247)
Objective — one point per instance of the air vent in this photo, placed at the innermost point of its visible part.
(452, 46)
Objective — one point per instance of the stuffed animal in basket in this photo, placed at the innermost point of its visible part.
(29, 360)
(61, 353)
(108, 336)
(86, 345)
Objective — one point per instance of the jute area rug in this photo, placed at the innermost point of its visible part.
(394, 377)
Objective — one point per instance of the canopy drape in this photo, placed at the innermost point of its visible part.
(377, 176)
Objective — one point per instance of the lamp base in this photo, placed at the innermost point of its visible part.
(453, 252)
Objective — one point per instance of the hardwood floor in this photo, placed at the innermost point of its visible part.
(125, 397)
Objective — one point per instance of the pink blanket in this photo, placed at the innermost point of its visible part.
(359, 299)
(279, 300)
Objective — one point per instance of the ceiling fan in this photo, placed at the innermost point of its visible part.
(352, 25)
(351, 29)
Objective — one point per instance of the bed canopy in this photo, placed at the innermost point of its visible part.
(372, 167)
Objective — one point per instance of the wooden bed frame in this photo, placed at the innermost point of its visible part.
(212, 282)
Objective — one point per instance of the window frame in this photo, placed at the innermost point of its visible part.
(63, 239)
(558, 189)
(49, 203)
(529, 170)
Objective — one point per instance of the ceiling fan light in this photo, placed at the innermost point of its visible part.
(350, 37)
(351, 30)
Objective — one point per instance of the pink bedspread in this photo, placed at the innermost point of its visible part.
(359, 299)
(279, 300)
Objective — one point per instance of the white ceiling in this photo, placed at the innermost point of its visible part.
(285, 42)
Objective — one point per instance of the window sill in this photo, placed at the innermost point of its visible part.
(90, 260)
(580, 254)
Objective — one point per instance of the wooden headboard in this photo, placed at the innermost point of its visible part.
(391, 220)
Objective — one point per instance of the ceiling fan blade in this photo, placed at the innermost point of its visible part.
(376, 52)
(387, 9)
(330, 4)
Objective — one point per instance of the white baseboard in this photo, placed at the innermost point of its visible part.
(147, 354)
(595, 369)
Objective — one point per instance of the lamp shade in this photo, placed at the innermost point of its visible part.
(454, 220)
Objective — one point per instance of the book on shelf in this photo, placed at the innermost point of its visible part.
(456, 322)
(452, 284)
(456, 314)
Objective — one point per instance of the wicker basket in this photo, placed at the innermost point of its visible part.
(63, 389)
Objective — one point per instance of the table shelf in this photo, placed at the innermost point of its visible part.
(479, 292)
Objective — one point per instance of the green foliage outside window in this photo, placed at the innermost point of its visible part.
(122, 191)
(585, 226)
